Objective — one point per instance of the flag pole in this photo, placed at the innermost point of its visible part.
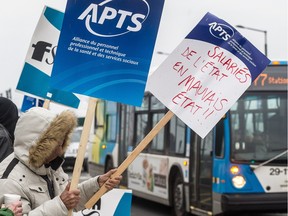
(46, 104)
(82, 146)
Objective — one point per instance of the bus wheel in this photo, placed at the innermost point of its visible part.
(178, 196)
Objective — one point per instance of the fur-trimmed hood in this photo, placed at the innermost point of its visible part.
(38, 132)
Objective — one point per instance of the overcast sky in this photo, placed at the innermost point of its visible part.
(18, 19)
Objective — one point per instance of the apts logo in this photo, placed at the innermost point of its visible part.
(112, 18)
(221, 31)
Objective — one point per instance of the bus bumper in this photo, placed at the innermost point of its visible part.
(254, 202)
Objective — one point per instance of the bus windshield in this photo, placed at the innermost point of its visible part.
(259, 128)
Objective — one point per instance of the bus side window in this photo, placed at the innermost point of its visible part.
(172, 135)
(177, 136)
(141, 127)
(219, 139)
(158, 141)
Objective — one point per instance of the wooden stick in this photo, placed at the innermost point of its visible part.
(82, 146)
(140, 147)
(46, 104)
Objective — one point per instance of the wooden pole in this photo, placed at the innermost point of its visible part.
(82, 146)
(140, 147)
(46, 104)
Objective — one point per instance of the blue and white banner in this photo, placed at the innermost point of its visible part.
(105, 48)
(29, 102)
(116, 202)
(207, 73)
(35, 76)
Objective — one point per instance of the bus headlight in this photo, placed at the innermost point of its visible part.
(238, 181)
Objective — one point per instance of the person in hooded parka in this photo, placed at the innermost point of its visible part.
(8, 118)
(34, 170)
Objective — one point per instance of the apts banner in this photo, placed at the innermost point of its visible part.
(207, 73)
(105, 48)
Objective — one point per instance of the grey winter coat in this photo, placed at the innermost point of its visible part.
(37, 133)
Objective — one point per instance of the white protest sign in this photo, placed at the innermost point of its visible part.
(116, 202)
(206, 74)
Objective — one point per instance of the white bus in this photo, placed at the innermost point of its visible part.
(241, 165)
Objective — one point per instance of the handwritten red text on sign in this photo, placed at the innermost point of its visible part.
(208, 65)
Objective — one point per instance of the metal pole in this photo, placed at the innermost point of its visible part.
(266, 48)
(258, 30)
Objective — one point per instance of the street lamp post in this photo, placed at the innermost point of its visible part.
(258, 30)
(162, 53)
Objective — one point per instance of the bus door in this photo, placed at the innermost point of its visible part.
(202, 173)
(125, 138)
(124, 133)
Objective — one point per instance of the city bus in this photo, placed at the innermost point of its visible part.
(241, 165)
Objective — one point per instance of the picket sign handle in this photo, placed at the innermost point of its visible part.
(82, 146)
(46, 104)
(131, 157)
